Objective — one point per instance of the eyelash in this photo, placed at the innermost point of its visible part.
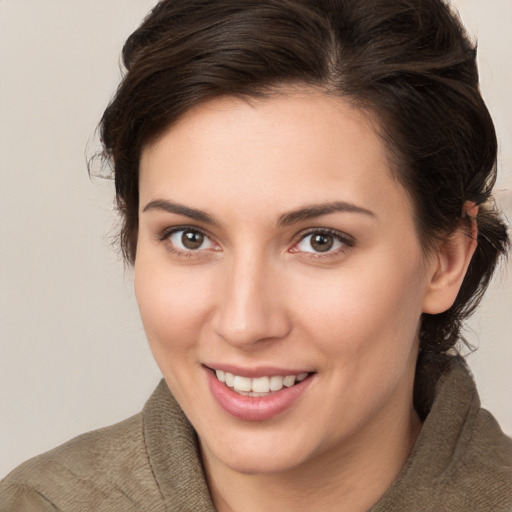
(167, 233)
(346, 241)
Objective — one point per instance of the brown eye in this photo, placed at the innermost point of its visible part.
(192, 239)
(189, 240)
(322, 242)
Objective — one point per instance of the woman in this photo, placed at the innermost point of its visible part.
(304, 189)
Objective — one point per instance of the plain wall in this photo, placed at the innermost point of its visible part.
(73, 355)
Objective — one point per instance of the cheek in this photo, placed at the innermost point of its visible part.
(172, 304)
(173, 308)
(368, 309)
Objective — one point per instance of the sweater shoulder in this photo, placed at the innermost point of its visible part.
(462, 460)
(479, 476)
(106, 469)
(482, 473)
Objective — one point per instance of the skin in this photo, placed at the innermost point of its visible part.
(256, 293)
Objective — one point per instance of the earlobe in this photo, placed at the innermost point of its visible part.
(450, 263)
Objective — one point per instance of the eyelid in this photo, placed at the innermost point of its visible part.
(347, 241)
(166, 233)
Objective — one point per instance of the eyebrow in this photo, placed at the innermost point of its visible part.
(317, 210)
(180, 209)
(299, 215)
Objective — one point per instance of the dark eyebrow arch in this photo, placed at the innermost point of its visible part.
(317, 210)
(179, 209)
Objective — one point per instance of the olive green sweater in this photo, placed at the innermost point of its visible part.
(461, 462)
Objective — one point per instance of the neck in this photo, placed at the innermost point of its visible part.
(351, 479)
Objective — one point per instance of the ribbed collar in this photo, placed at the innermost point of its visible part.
(173, 451)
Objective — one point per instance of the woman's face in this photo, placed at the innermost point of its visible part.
(273, 243)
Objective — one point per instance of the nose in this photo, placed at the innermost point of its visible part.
(251, 306)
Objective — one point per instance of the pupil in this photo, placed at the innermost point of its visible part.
(192, 240)
(322, 243)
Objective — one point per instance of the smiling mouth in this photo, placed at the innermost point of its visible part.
(260, 386)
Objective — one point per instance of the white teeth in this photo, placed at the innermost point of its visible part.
(242, 383)
(276, 383)
(251, 393)
(230, 379)
(289, 381)
(260, 386)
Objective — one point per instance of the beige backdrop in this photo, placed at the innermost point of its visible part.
(72, 351)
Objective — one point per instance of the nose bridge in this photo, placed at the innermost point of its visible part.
(250, 308)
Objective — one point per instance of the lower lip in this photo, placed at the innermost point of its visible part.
(250, 408)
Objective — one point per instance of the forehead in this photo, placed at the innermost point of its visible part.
(297, 148)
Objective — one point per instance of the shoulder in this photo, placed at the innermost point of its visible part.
(107, 469)
(461, 460)
(480, 465)
(478, 476)
(483, 469)
(472, 469)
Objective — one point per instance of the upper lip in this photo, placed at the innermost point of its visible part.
(255, 371)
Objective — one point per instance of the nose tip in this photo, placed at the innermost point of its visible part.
(251, 333)
(250, 308)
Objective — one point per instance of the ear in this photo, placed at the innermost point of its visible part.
(450, 263)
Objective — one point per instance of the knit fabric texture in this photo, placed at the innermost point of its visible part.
(460, 462)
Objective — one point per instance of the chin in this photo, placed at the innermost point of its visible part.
(261, 464)
(259, 458)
